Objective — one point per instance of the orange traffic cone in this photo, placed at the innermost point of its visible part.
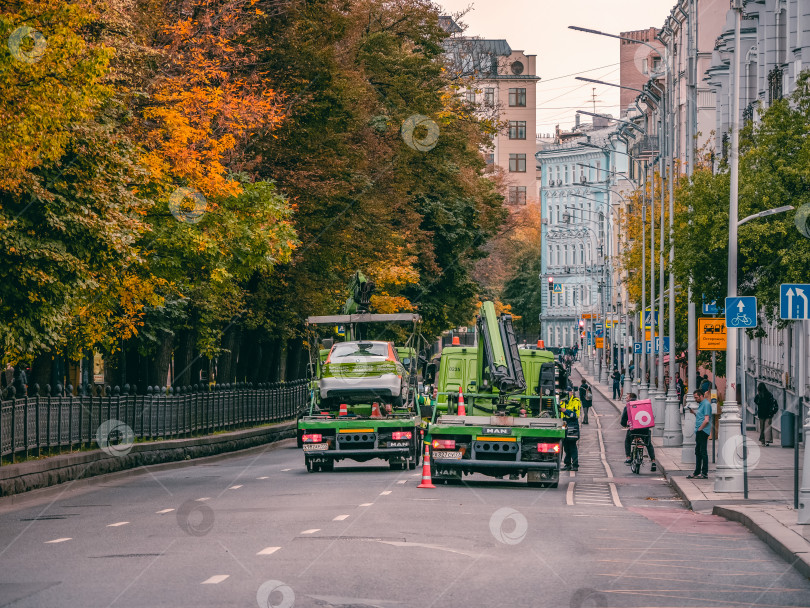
(462, 411)
(344, 410)
(427, 482)
(375, 410)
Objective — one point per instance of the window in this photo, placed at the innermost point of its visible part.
(517, 195)
(550, 177)
(517, 98)
(489, 97)
(471, 97)
(581, 255)
(551, 336)
(490, 158)
(517, 163)
(566, 173)
(564, 261)
(558, 256)
(517, 129)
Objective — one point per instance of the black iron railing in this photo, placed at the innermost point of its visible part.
(53, 420)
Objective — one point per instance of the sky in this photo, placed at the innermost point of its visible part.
(540, 27)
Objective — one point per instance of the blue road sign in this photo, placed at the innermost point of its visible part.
(658, 345)
(636, 348)
(590, 339)
(710, 308)
(647, 319)
(793, 301)
(600, 330)
(558, 288)
(741, 311)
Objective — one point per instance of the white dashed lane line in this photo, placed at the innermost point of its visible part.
(284, 470)
(401, 481)
(116, 524)
(203, 499)
(386, 493)
(268, 551)
(340, 518)
(263, 477)
(215, 580)
(235, 487)
(311, 531)
(164, 511)
(57, 540)
(366, 504)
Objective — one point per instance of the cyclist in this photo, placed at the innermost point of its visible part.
(643, 433)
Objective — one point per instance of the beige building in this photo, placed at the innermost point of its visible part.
(502, 82)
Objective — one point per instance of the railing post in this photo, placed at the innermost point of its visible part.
(12, 393)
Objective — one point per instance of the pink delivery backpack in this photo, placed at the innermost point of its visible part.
(640, 414)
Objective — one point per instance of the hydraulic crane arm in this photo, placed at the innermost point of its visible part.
(501, 366)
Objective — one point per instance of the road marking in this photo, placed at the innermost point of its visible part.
(615, 494)
(340, 518)
(284, 470)
(262, 478)
(367, 504)
(401, 481)
(164, 511)
(268, 551)
(602, 454)
(235, 487)
(215, 580)
(311, 531)
(386, 493)
(57, 540)
(115, 525)
(203, 499)
(569, 494)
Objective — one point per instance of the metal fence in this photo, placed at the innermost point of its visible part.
(43, 421)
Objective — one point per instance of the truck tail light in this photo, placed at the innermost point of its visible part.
(444, 444)
(400, 435)
(548, 448)
(312, 438)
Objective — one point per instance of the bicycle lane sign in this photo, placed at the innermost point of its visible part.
(741, 311)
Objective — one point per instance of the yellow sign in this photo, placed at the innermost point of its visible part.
(609, 323)
(600, 342)
(588, 315)
(711, 333)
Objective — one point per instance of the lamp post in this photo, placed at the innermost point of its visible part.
(729, 477)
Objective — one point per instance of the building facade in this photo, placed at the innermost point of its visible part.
(501, 82)
(577, 190)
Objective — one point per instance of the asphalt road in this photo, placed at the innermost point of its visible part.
(259, 530)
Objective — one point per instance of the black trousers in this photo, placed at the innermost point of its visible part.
(617, 390)
(628, 442)
(571, 452)
(585, 410)
(701, 453)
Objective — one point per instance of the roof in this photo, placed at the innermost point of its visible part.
(476, 56)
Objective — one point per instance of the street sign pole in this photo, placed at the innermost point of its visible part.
(803, 501)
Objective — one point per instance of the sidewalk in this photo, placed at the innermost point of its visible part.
(768, 512)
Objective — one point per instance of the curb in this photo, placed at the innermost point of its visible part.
(786, 543)
(82, 468)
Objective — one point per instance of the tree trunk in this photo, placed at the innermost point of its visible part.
(183, 355)
(158, 364)
(230, 355)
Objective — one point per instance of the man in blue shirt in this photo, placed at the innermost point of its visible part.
(703, 418)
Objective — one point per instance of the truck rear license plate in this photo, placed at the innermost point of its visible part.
(315, 447)
(447, 455)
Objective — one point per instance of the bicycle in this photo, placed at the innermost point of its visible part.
(740, 319)
(637, 453)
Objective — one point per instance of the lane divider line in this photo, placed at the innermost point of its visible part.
(164, 511)
(569, 494)
(602, 454)
(263, 477)
(285, 470)
(615, 494)
(366, 504)
(385, 493)
(235, 487)
(401, 481)
(311, 531)
(340, 518)
(115, 525)
(268, 551)
(203, 499)
(215, 580)
(57, 540)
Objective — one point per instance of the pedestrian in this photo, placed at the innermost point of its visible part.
(576, 351)
(766, 410)
(621, 383)
(643, 433)
(616, 377)
(631, 368)
(569, 411)
(705, 385)
(702, 430)
(586, 397)
(679, 387)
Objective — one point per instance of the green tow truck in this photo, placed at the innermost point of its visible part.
(510, 427)
(363, 391)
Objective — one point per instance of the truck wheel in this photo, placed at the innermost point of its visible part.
(328, 466)
(310, 467)
(411, 464)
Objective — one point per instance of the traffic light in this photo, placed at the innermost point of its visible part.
(581, 323)
(551, 284)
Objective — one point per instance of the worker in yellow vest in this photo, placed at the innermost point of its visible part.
(569, 411)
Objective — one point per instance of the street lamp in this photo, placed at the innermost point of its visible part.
(729, 477)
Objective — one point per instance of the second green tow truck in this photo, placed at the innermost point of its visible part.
(510, 428)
